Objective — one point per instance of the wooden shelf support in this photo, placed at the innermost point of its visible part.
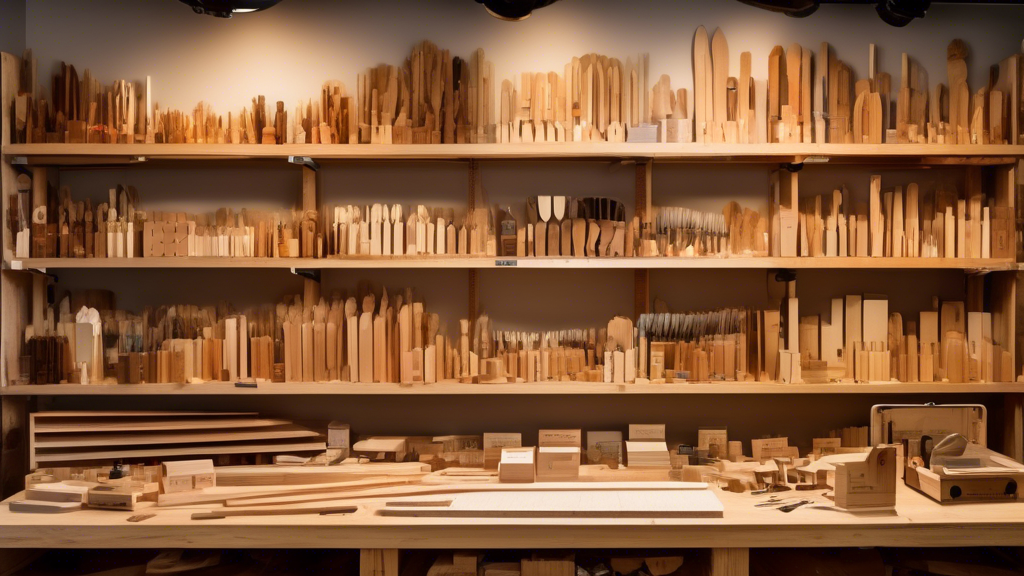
(13, 444)
(730, 561)
(378, 562)
(311, 288)
(644, 212)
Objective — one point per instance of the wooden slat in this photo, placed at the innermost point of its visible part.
(301, 475)
(468, 488)
(541, 262)
(143, 439)
(183, 451)
(113, 426)
(606, 503)
(539, 388)
(59, 153)
(131, 413)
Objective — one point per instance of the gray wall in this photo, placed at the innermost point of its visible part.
(12, 26)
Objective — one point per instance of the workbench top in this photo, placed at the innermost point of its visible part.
(918, 521)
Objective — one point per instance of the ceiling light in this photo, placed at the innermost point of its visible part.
(897, 13)
(513, 10)
(225, 8)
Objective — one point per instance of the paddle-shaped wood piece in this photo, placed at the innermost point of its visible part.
(774, 89)
(956, 69)
(700, 104)
(544, 208)
(794, 59)
(720, 62)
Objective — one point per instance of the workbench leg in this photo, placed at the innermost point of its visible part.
(730, 562)
(378, 562)
(13, 444)
(1013, 440)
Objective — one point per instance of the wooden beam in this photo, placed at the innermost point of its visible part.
(1013, 431)
(644, 176)
(311, 288)
(13, 445)
(641, 292)
(730, 561)
(378, 562)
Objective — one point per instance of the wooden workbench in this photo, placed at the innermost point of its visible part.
(917, 522)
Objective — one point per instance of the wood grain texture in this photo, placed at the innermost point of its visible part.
(540, 388)
(553, 262)
(96, 154)
(918, 522)
(730, 562)
(593, 504)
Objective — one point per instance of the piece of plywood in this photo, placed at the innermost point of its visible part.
(184, 437)
(282, 475)
(593, 504)
(46, 427)
(272, 448)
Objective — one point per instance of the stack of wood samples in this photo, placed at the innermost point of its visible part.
(65, 438)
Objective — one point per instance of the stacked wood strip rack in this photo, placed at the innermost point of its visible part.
(919, 522)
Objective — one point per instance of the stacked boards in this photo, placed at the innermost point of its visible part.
(724, 107)
(65, 438)
(556, 504)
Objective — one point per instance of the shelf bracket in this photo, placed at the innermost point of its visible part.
(304, 161)
(308, 273)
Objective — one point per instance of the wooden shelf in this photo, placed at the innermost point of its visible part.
(476, 262)
(99, 154)
(531, 388)
(917, 521)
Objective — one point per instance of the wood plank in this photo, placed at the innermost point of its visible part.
(142, 426)
(282, 475)
(592, 504)
(532, 388)
(85, 154)
(473, 263)
(89, 439)
(277, 448)
(497, 488)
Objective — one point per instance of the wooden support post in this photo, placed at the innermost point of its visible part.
(1013, 431)
(378, 562)
(642, 277)
(730, 562)
(474, 185)
(644, 176)
(472, 308)
(38, 303)
(311, 288)
(473, 305)
(13, 444)
(641, 292)
(9, 86)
